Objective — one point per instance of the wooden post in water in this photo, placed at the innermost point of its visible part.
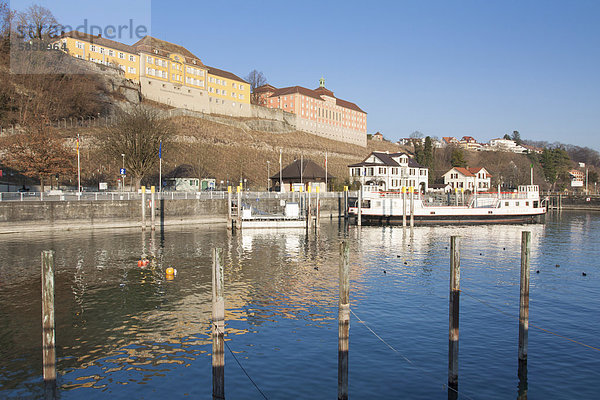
(343, 320)
(524, 314)
(308, 208)
(454, 314)
(218, 326)
(48, 338)
(412, 206)
(403, 206)
(524, 296)
(229, 206)
(143, 207)
(317, 222)
(238, 223)
(345, 202)
(456, 196)
(153, 207)
(360, 195)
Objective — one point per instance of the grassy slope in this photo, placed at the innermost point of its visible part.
(228, 153)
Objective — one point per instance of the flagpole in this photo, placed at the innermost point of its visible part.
(78, 168)
(280, 177)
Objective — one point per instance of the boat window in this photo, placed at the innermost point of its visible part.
(506, 203)
(527, 203)
(517, 204)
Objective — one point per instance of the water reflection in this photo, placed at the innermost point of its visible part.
(120, 325)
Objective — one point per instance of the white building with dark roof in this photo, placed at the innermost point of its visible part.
(389, 172)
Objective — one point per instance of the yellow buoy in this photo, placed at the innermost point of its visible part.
(170, 271)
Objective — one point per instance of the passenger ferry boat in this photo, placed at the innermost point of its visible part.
(521, 206)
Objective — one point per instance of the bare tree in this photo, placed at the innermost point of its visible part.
(138, 135)
(5, 19)
(36, 22)
(255, 79)
(40, 153)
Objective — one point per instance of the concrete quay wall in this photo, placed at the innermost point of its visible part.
(33, 216)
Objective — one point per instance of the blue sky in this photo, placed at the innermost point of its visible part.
(444, 68)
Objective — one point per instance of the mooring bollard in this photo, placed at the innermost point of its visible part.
(48, 338)
(218, 325)
(153, 207)
(454, 315)
(143, 207)
(343, 320)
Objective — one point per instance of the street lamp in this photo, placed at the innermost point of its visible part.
(268, 174)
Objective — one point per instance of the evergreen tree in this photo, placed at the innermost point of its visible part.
(418, 149)
(555, 164)
(516, 136)
(458, 158)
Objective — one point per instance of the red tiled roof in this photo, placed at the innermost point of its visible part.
(316, 95)
(469, 171)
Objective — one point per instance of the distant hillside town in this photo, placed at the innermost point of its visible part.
(505, 143)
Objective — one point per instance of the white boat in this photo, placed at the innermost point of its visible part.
(522, 206)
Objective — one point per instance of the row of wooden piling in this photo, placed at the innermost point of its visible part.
(218, 320)
(454, 310)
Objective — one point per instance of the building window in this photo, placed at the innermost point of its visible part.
(111, 53)
(218, 91)
(92, 48)
(131, 58)
(80, 45)
(241, 96)
(121, 56)
(131, 70)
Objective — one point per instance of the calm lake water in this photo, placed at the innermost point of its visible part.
(127, 332)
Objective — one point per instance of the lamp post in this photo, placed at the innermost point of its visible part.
(268, 174)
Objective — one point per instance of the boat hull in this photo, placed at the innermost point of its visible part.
(452, 219)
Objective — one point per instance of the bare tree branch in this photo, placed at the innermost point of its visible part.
(138, 135)
(256, 79)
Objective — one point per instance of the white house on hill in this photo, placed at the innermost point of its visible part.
(468, 179)
(389, 172)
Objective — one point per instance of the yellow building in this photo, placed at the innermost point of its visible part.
(167, 73)
(169, 62)
(102, 51)
(224, 85)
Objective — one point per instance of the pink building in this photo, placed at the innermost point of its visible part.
(318, 111)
